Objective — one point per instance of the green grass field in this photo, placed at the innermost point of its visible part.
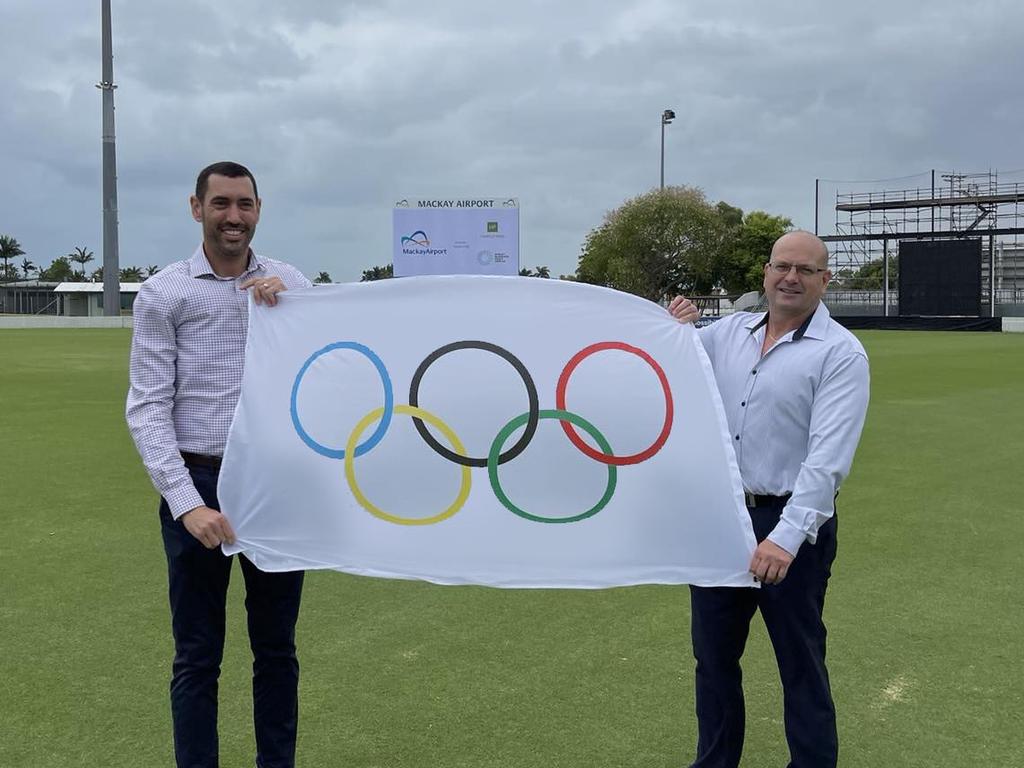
(926, 625)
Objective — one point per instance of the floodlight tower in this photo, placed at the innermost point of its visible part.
(666, 118)
(111, 262)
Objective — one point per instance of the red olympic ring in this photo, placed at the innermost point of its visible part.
(570, 431)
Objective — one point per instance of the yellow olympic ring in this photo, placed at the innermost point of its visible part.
(369, 506)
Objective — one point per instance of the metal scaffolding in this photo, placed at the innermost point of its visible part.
(948, 205)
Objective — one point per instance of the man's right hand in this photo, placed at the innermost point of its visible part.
(209, 526)
(683, 310)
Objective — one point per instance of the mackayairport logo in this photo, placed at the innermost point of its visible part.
(419, 238)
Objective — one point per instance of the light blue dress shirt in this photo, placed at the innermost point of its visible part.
(795, 414)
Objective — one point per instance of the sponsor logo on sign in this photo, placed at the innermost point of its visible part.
(419, 237)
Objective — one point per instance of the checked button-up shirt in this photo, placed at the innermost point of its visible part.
(188, 349)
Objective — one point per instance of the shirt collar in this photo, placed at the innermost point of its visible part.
(199, 265)
(814, 326)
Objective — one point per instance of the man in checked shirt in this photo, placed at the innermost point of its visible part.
(188, 347)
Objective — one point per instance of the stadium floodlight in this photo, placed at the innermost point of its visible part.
(666, 118)
(111, 260)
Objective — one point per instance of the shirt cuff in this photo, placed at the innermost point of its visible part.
(182, 500)
(787, 536)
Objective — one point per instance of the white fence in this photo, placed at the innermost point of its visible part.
(1010, 324)
(55, 321)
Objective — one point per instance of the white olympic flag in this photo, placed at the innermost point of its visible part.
(456, 236)
(505, 431)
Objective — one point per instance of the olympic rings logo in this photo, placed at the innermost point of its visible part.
(498, 455)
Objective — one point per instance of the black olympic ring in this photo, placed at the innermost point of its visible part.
(533, 415)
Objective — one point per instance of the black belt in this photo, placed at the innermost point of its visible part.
(764, 500)
(200, 460)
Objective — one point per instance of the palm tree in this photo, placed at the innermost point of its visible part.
(81, 256)
(9, 249)
(535, 272)
(97, 275)
(151, 270)
(27, 267)
(323, 277)
(131, 275)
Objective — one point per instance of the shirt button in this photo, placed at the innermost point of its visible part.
(743, 404)
(737, 437)
(753, 372)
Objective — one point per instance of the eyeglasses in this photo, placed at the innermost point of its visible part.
(804, 270)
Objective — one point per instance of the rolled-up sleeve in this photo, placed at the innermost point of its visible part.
(150, 406)
(837, 418)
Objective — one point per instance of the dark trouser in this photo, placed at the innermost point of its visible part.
(792, 613)
(198, 585)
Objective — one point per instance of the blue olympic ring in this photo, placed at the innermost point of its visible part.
(389, 401)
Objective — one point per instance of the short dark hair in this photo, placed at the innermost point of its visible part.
(223, 168)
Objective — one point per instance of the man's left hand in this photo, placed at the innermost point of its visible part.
(684, 310)
(264, 289)
(770, 562)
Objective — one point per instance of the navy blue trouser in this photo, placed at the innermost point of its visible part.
(198, 584)
(792, 614)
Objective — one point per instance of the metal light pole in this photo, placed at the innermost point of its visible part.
(666, 118)
(111, 262)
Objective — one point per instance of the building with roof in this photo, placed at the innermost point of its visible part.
(86, 299)
(39, 297)
(28, 297)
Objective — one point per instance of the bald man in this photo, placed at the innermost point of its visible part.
(794, 384)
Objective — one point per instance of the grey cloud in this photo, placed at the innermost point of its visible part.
(341, 107)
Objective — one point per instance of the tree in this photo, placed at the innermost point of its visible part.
(131, 275)
(674, 241)
(97, 275)
(377, 273)
(742, 267)
(535, 272)
(9, 249)
(27, 268)
(151, 270)
(869, 276)
(81, 256)
(322, 278)
(59, 271)
(656, 245)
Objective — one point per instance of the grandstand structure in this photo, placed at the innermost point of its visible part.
(873, 223)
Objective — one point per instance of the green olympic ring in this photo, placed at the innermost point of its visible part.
(512, 426)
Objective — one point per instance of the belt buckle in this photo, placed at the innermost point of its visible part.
(750, 498)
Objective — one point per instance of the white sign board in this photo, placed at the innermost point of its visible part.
(456, 236)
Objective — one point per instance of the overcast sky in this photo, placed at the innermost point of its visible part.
(342, 108)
